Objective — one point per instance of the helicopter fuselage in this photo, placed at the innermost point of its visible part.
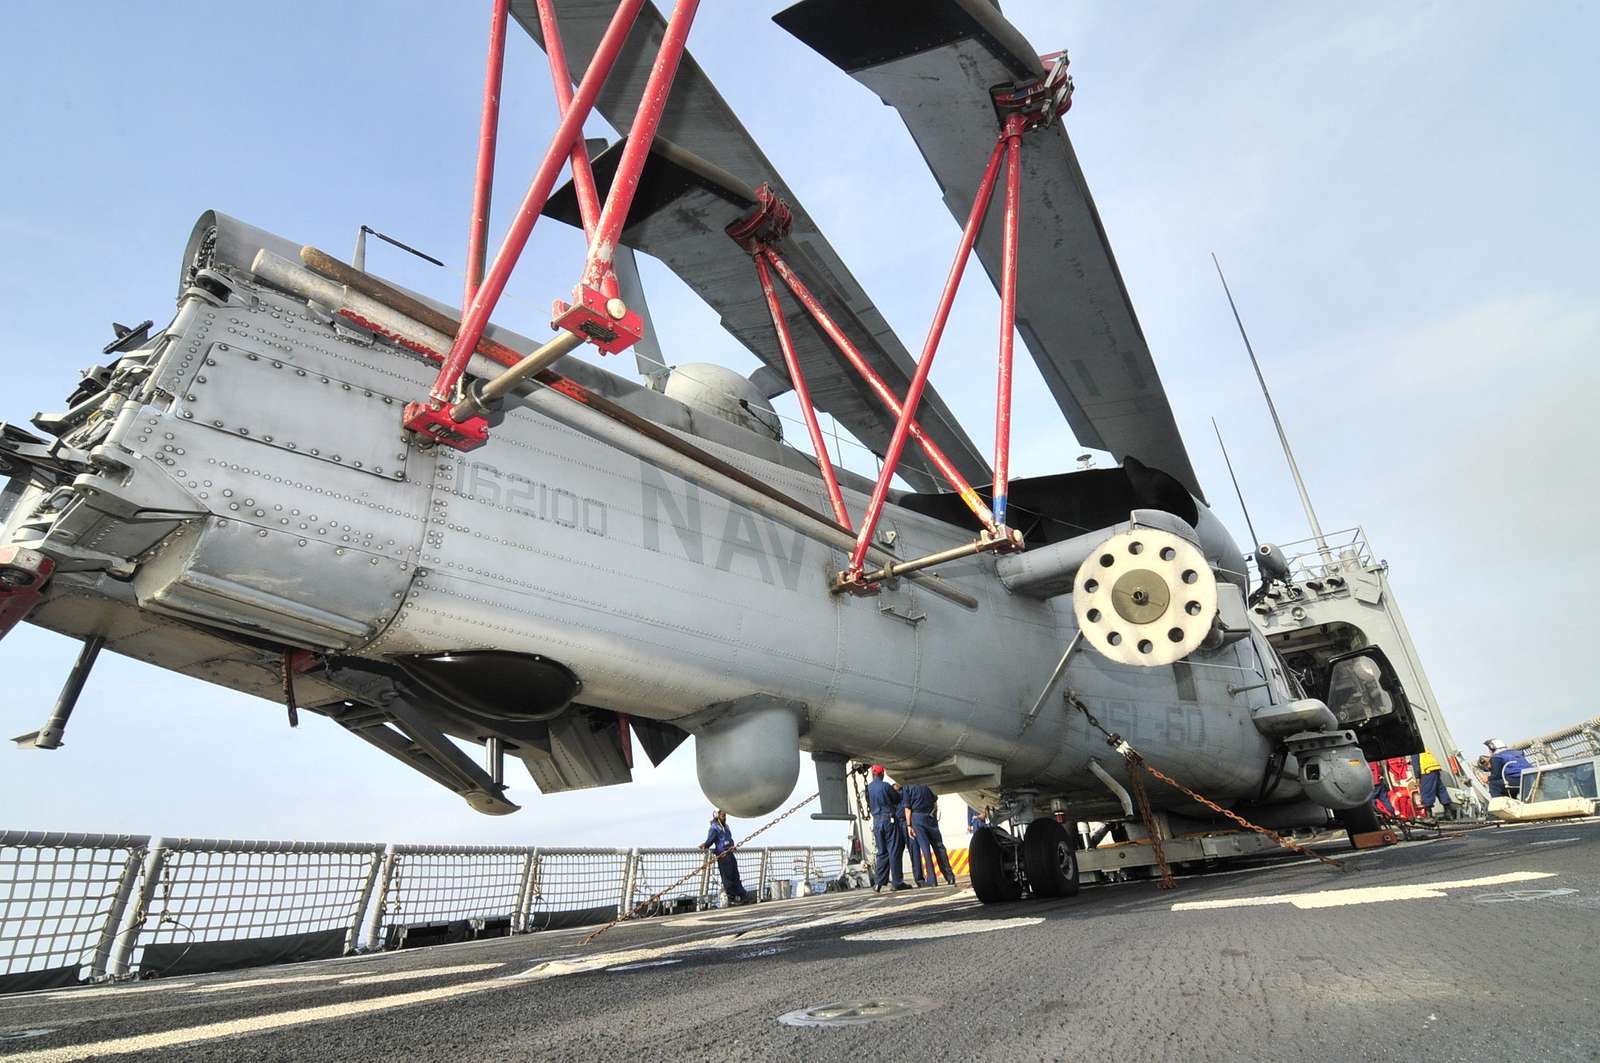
(247, 498)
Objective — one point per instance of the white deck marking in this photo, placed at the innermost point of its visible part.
(1361, 895)
(756, 954)
(420, 972)
(152, 1042)
(106, 991)
(763, 933)
(640, 966)
(284, 979)
(1521, 895)
(944, 930)
(619, 958)
(346, 978)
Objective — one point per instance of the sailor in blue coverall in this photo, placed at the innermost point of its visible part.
(719, 839)
(926, 841)
(888, 832)
(1506, 766)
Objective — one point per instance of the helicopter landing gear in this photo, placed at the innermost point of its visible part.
(1048, 859)
(993, 866)
(1043, 861)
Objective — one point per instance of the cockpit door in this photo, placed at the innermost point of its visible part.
(1365, 696)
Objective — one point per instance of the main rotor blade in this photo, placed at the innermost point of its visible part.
(647, 356)
(698, 120)
(934, 62)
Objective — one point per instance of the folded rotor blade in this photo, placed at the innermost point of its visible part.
(700, 122)
(934, 62)
(647, 352)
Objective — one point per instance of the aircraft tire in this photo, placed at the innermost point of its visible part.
(1048, 858)
(1363, 819)
(992, 881)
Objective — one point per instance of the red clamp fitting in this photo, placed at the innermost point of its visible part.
(768, 221)
(603, 320)
(435, 423)
(1002, 540)
(1040, 101)
(853, 582)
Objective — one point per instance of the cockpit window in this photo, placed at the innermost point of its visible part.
(1355, 691)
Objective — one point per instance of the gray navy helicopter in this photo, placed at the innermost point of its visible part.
(234, 497)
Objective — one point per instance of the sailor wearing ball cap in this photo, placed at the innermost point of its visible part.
(887, 831)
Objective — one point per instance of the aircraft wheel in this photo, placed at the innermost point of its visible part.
(1363, 819)
(1047, 856)
(992, 880)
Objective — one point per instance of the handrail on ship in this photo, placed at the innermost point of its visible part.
(84, 907)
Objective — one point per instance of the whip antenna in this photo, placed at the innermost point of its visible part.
(1294, 469)
(1255, 542)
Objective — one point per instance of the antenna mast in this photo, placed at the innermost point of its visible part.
(1254, 541)
(1294, 470)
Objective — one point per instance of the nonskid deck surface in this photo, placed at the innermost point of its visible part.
(1472, 946)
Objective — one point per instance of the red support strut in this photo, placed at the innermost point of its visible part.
(582, 175)
(598, 314)
(897, 442)
(596, 310)
(603, 246)
(859, 362)
(802, 393)
(476, 314)
(1012, 139)
(488, 130)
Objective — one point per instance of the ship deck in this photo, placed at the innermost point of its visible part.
(1473, 946)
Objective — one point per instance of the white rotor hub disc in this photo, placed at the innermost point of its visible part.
(1145, 597)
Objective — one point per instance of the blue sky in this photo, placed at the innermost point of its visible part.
(1402, 196)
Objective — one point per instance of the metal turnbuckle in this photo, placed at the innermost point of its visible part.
(859, 581)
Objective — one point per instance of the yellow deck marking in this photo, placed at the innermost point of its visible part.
(1361, 895)
(151, 1042)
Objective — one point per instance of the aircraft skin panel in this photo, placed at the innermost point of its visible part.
(81, 607)
(698, 120)
(936, 68)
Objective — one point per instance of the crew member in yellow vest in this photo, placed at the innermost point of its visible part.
(1430, 780)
